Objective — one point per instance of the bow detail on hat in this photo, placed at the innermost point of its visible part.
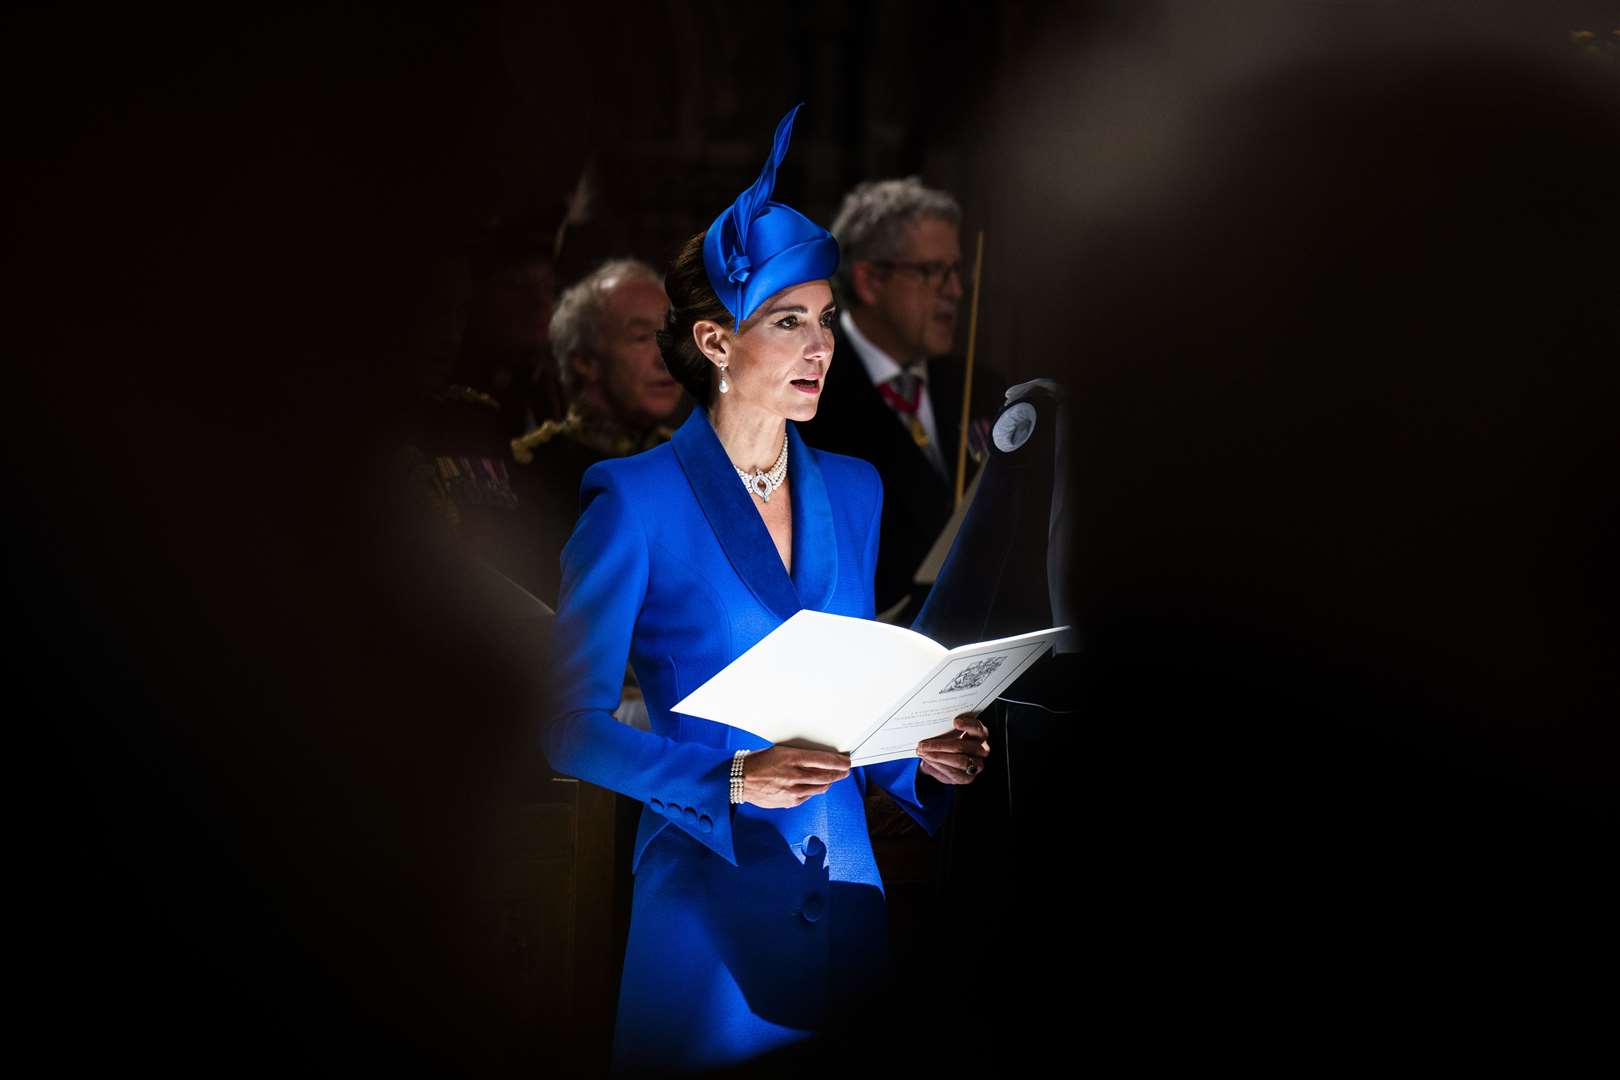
(737, 267)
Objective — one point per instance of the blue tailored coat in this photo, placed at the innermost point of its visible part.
(750, 927)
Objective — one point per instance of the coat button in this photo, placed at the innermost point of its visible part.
(690, 815)
(705, 823)
(813, 905)
(814, 848)
(656, 803)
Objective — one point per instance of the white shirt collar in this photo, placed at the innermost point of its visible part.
(880, 366)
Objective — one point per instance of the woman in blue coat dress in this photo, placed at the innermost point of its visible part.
(758, 913)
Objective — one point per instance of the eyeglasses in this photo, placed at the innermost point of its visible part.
(934, 274)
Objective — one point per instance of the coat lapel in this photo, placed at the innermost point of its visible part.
(736, 524)
(815, 545)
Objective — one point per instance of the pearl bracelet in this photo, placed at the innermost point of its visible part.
(737, 776)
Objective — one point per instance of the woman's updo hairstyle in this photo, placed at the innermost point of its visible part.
(691, 301)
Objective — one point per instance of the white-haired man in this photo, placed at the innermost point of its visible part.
(602, 335)
(622, 399)
(896, 397)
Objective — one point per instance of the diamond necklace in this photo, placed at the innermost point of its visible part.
(763, 483)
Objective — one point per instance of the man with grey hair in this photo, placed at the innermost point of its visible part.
(602, 336)
(622, 399)
(896, 397)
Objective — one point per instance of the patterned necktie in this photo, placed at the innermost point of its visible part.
(904, 395)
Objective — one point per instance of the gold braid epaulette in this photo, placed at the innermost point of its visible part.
(523, 446)
(590, 431)
(469, 395)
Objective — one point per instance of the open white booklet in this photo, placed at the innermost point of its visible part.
(865, 688)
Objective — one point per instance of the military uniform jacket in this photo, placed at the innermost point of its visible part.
(749, 926)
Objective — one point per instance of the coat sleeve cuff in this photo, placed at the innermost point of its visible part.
(704, 808)
(686, 782)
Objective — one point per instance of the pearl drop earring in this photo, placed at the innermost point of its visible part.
(724, 385)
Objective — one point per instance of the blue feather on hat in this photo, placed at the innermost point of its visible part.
(757, 247)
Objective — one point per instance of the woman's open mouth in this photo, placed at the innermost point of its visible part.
(808, 386)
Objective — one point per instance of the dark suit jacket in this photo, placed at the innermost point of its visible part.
(853, 419)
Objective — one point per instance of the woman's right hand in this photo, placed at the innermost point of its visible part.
(785, 776)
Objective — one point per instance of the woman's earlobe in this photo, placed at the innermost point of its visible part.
(710, 340)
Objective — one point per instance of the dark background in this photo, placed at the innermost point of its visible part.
(249, 757)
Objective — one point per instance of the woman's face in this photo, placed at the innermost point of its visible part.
(779, 362)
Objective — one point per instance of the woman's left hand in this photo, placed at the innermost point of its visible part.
(957, 757)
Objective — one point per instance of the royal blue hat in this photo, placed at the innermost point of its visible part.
(757, 247)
